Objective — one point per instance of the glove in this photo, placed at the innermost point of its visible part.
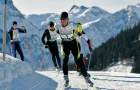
(23, 27)
(46, 46)
(90, 49)
(79, 34)
(11, 41)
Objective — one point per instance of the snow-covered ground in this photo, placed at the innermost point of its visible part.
(121, 66)
(109, 81)
(18, 75)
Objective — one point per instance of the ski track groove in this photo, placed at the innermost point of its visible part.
(37, 84)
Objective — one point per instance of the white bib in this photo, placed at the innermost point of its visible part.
(67, 32)
(53, 35)
(16, 35)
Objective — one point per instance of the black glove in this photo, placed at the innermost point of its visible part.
(79, 34)
(23, 27)
(46, 46)
(90, 49)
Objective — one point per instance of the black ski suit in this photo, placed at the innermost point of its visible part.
(69, 43)
(52, 45)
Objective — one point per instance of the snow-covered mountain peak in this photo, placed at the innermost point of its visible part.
(133, 9)
(73, 7)
(83, 7)
(138, 5)
(84, 14)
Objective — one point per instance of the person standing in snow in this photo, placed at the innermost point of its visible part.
(80, 35)
(15, 40)
(51, 43)
(67, 31)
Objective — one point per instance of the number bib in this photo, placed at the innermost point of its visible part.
(53, 35)
(66, 32)
(16, 35)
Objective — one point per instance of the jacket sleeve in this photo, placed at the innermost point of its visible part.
(56, 28)
(10, 33)
(21, 30)
(86, 38)
(79, 28)
(43, 37)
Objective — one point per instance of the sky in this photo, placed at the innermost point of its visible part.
(28, 7)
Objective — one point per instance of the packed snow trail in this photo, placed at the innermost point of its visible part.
(105, 81)
(18, 75)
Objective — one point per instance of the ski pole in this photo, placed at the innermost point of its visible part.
(89, 61)
(30, 51)
(28, 47)
(59, 70)
(42, 60)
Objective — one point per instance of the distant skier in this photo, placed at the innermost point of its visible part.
(51, 43)
(80, 35)
(67, 31)
(15, 40)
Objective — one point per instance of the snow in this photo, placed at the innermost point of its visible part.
(18, 75)
(121, 66)
(110, 81)
(99, 28)
(98, 24)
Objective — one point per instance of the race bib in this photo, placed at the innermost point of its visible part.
(53, 35)
(16, 35)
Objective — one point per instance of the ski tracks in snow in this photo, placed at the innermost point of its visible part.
(106, 81)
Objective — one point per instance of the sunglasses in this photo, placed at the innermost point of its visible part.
(63, 18)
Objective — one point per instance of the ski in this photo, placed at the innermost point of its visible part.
(94, 88)
(97, 79)
(65, 88)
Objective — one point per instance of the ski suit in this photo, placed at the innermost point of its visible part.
(52, 45)
(15, 44)
(70, 43)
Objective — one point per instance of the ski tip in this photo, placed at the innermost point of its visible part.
(96, 89)
(65, 87)
(89, 85)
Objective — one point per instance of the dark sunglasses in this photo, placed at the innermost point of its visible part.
(63, 18)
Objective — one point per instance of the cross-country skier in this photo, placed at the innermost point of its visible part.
(51, 43)
(80, 35)
(67, 31)
(15, 40)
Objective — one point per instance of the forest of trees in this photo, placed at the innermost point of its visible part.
(125, 45)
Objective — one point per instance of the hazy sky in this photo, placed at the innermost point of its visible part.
(57, 6)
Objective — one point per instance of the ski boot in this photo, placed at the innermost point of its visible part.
(79, 73)
(56, 69)
(66, 79)
(88, 80)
